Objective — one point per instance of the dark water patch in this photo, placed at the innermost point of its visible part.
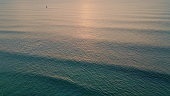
(100, 29)
(148, 17)
(106, 79)
(144, 22)
(156, 49)
(156, 12)
(148, 31)
(25, 84)
(141, 73)
(11, 32)
(135, 47)
(147, 74)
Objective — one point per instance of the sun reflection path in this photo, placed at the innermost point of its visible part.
(85, 21)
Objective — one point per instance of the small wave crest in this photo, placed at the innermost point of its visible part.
(27, 84)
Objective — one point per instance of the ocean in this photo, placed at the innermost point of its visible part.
(84, 48)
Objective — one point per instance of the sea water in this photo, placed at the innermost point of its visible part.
(84, 48)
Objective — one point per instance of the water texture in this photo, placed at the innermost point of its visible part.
(84, 48)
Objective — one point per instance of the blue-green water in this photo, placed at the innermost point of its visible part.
(84, 48)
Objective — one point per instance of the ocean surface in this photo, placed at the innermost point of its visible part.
(85, 48)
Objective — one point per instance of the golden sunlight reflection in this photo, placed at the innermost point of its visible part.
(86, 13)
(86, 32)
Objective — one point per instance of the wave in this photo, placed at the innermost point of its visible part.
(124, 29)
(10, 32)
(41, 75)
(149, 31)
(37, 84)
(132, 71)
(135, 47)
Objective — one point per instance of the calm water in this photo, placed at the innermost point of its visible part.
(84, 48)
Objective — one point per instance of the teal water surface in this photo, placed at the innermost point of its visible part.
(84, 48)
